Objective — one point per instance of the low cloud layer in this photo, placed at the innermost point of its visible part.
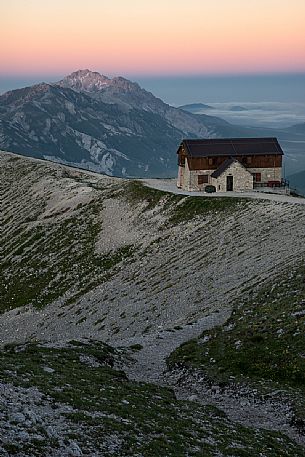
(260, 114)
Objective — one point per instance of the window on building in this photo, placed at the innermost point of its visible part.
(203, 179)
(257, 177)
(249, 160)
(212, 161)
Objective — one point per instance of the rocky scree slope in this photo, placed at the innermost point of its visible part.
(86, 256)
(107, 125)
(252, 366)
(71, 400)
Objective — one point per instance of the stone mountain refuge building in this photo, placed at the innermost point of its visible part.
(235, 164)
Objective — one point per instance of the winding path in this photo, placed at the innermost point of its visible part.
(150, 361)
(241, 404)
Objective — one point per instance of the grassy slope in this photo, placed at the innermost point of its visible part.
(137, 418)
(48, 259)
(262, 341)
(38, 279)
(180, 208)
(48, 256)
(52, 256)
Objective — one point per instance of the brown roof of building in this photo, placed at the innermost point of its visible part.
(232, 147)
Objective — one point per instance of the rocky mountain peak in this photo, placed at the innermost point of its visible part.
(92, 81)
(110, 125)
(85, 80)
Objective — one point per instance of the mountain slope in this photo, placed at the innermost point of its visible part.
(113, 126)
(108, 125)
(195, 107)
(297, 181)
(71, 400)
(298, 128)
(54, 122)
(105, 224)
(257, 354)
(89, 257)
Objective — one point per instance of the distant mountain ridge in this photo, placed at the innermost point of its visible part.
(128, 95)
(297, 181)
(111, 125)
(195, 107)
(238, 108)
(89, 120)
(298, 128)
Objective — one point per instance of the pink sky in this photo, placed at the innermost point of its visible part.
(152, 37)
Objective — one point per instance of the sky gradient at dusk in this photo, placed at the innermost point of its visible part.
(159, 37)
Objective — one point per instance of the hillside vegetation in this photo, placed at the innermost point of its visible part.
(102, 278)
(263, 339)
(260, 346)
(50, 250)
(112, 259)
(97, 411)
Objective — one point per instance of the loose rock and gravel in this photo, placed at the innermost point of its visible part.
(85, 256)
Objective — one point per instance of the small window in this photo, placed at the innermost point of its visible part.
(203, 179)
(212, 161)
(257, 177)
(249, 160)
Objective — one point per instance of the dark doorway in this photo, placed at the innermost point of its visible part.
(229, 183)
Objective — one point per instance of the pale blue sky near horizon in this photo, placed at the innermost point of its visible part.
(230, 88)
(179, 90)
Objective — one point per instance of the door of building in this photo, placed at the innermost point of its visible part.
(229, 183)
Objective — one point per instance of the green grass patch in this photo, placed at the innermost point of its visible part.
(263, 339)
(180, 208)
(146, 419)
(136, 192)
(47, 262)
(262, 344)
(190, 207)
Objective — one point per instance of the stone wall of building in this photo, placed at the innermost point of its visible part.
(268, 174)
(180, 179)
(190, 178)
(242, 179)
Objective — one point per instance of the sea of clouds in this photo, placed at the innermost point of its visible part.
(259, 114)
